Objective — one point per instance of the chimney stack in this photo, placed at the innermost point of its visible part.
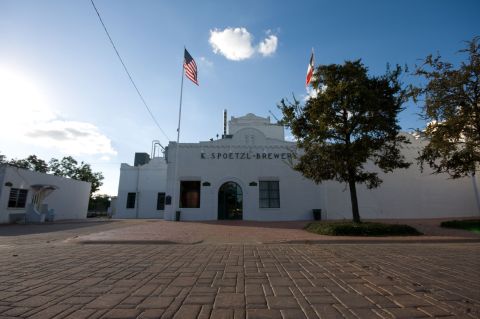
(225, 122)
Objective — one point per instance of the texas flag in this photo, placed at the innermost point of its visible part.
(310, 70)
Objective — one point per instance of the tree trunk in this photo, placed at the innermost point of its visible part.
(353, 199)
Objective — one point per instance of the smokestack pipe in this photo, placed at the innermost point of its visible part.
(225, 122)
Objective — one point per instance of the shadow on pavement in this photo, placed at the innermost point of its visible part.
(135, 242)
(30, 229)
(262, 224)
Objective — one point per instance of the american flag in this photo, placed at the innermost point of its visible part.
(190, 67)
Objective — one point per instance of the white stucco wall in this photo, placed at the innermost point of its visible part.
(70, 200)
(298, 196)
(257, 151)
(2, 182)
(406, 193)
(270, 130)
(147, 181)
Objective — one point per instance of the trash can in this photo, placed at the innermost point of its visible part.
(177, 216)
(317, 214)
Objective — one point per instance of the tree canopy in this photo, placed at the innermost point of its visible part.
(32, 162)
(69, 167)
(451, 106)
(351, 121)
(66, 167)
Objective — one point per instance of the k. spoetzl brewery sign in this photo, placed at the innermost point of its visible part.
(245, 156)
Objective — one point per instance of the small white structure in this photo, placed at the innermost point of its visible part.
(247, 175)
(36, 197)
(141, 190)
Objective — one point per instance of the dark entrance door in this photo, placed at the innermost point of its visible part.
(230, 201)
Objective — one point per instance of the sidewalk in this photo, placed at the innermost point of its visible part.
(253, 232)
(135, 269)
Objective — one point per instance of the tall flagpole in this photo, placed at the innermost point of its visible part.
(175, 184)
(180, 108)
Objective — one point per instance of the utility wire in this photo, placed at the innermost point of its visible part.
(128, 73)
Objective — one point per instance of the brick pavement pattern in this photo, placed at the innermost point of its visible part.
(63, 279)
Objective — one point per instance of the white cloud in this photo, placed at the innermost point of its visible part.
(233, 43)
(27, 118)
(311, 93)
(237, 44)
(70, 137)
(268, 46)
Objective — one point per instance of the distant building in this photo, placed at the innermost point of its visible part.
(25, 193)
(247, 175)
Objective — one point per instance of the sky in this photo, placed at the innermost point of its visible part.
(63, 91)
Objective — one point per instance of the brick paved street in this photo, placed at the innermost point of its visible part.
(57, 277)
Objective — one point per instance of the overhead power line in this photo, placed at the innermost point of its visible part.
(128, 73)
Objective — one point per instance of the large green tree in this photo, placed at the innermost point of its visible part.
(69, 167)
(32, 162)
(451, 107)
(350, 122)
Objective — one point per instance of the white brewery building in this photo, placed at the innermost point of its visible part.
(247, 175)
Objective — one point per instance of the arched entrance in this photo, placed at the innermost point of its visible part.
(230, 201)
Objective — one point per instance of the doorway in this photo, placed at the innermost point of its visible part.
(230, 201)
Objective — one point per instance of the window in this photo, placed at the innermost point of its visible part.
(161, 201)
(269, 194)
(18, 198)
(131, 200)
(190, 194)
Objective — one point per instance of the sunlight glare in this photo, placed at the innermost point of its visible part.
(22, 102)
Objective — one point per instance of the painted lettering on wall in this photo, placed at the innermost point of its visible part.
(245, 156)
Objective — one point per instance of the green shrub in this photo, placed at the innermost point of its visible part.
(469, 224)
(361, 229)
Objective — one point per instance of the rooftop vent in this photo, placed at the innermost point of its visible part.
(141, 159)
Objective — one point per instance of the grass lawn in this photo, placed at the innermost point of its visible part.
(472, 225)
(361, 229)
